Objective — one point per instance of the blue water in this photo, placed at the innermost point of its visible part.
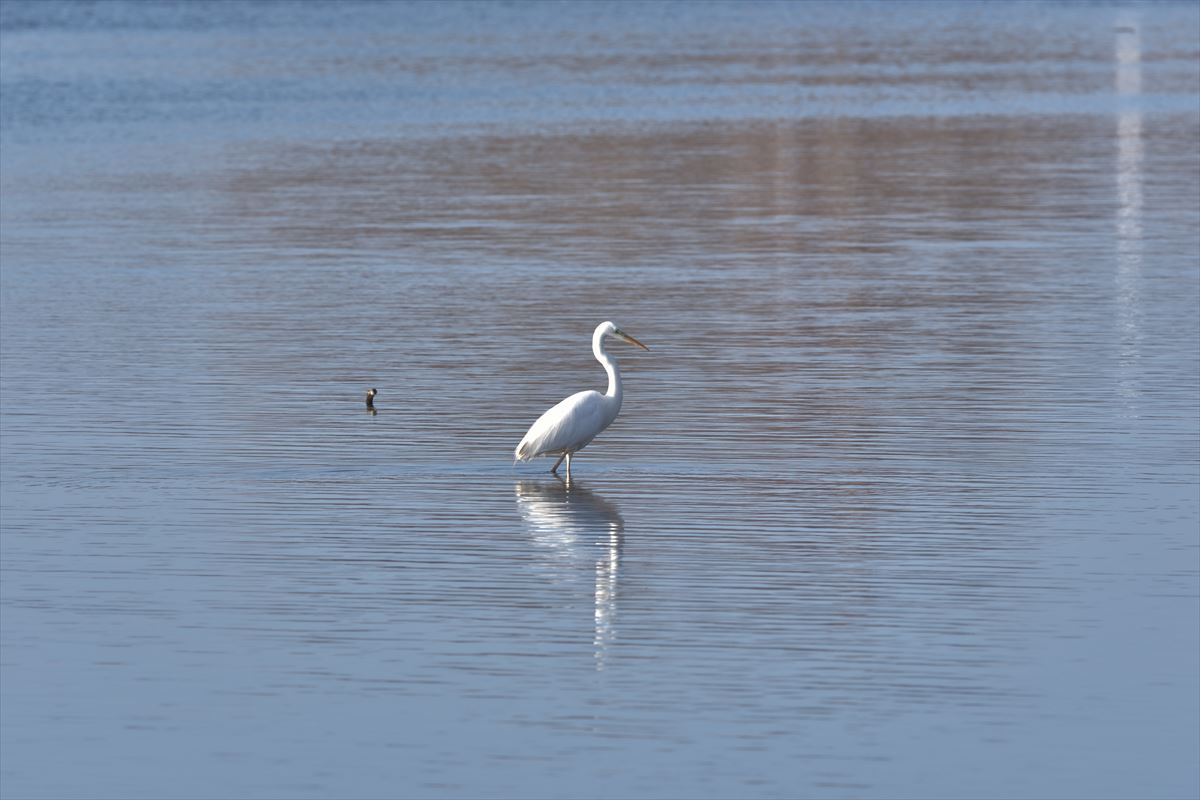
(904, 500)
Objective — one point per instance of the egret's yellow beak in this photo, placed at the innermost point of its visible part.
(626, 337)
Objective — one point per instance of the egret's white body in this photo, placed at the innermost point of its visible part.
(571, 424)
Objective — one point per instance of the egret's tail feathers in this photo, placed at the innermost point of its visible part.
(524, 452)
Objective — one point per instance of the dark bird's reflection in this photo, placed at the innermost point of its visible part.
(578, 527)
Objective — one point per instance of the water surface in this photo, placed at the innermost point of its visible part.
(904, 500)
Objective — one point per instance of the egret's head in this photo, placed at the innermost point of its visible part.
(610, 329)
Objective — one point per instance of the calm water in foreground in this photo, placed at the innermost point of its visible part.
(904, 500)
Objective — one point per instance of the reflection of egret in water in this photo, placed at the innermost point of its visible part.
(578, 528)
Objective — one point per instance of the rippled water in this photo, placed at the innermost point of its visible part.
(904, 500)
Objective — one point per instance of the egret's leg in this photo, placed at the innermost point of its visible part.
(554, 469)
(568, 466)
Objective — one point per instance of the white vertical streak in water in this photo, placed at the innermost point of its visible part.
(1129, 202)
(606, 594)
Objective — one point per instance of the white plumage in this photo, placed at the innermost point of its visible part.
(568, 426)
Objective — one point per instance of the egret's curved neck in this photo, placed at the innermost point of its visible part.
(610, 366)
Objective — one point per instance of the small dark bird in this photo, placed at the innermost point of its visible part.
(371, 399)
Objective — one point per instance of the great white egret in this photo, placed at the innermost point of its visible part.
(570, 425)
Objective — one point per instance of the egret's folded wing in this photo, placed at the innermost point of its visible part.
(569, 425)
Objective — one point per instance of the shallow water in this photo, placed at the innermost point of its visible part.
(903, 501)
